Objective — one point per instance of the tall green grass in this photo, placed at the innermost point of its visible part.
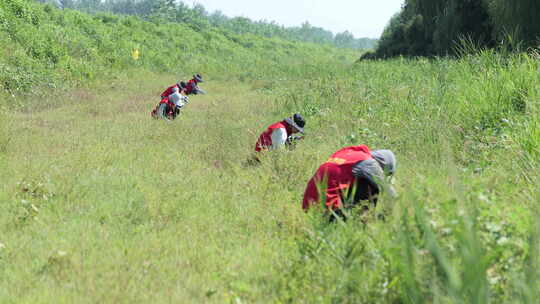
(99, 203)
(461, 228)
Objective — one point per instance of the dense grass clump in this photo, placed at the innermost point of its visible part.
(98, 202)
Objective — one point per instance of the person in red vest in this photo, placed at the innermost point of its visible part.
(192, 87)
(279, 133)
(351, 175)
(170, 90)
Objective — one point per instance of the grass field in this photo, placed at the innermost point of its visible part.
(101, 203)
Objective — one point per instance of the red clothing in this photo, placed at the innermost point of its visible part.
(265, 139)
(169, 90)
(191, 86)
(337, 170)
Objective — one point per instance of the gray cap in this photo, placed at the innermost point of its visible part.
(386, 159)
(383, 163)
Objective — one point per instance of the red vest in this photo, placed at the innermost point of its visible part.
(337, 170)
(169, 91)
(191, 85)
(265, 140)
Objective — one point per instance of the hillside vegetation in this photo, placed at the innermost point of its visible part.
(100, 203)
(444, 27)
(198, 17)
(44, 47)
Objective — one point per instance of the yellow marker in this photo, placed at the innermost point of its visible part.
(135, 54)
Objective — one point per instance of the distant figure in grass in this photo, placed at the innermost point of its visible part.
(187, 88)
(350, 176)
(179, 98)
(169, 106)
(281, 133)
(192, 86)
(181, 86)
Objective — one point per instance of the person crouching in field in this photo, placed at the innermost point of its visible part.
(178, 98)
(351, 175)
(180, 87)
(192, 87)
(280, 133)
(170, 105)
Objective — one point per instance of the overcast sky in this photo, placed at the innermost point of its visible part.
(364, 18)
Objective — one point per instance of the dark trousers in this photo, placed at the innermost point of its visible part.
(363, 195)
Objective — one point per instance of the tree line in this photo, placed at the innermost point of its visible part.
(444, 27)
(199, 18)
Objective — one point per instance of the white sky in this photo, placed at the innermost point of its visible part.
(364, 18)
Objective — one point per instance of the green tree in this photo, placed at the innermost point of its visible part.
(433, 27)
(520, 18)
(344, 39)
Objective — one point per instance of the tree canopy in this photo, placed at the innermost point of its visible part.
(435, 27)
(198, 17)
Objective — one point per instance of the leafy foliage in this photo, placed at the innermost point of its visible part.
(199, 18)
(437, 27)
(44, 47)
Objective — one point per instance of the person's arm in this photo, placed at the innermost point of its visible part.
(279, 137)
(311, 195)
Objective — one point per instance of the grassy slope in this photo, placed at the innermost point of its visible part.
(45, 48)
(99, 203)
(99, 206)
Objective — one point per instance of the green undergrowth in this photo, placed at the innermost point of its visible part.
(100, 203)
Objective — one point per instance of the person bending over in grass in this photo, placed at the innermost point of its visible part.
(180, 86)
(280, 133)
(192, 86)
(178, 98)
(174, 102)
(350, 176)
